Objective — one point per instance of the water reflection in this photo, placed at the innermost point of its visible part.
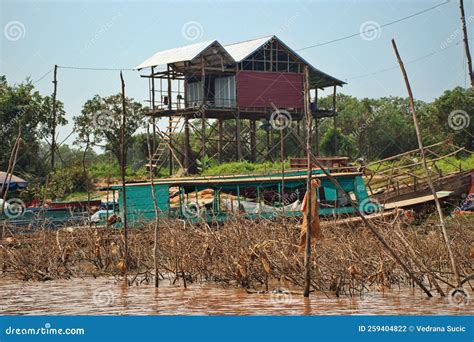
(105, 296)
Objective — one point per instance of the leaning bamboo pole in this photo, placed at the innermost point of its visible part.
(122, 174)
(155, 206)
(425, 166)
(371, 227)
(309, 218)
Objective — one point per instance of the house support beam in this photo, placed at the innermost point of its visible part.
(187, 148)
(220, 139)
(253, 141)
(238, 137)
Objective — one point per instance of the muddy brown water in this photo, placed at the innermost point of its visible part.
(107, 297)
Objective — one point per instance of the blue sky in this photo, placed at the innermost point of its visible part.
(121, 34)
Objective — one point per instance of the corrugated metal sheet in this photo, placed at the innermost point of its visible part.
(239, 51)
(261, 89)
(185, 53)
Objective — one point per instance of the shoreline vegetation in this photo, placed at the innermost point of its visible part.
(254, 255)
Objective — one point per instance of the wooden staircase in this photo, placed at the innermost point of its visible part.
(159, 156)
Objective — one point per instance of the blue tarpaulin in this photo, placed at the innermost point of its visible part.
(14, 183)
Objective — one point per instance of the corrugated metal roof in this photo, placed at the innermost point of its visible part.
(185, 53)
(239, 51)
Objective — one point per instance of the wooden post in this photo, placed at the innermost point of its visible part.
(309, 117)
(187, 148)
(155, 206)
(237, 136)
(203, 108)
(316, 121)
(53, 123)
(466, 43)
(170, 123)
(268, 143)
(153, 110)
(220, 129)
(122, 174)
(425, 166)
(282, 160)
(334, 122)
(253, 141)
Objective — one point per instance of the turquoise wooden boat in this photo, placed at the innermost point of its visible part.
(213, 198)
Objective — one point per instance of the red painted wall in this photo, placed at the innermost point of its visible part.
(260, 89)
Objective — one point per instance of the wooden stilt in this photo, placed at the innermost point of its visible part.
(253, 141)
(316, 128)
(238, 137)
(220, 128)
(187, 148)
(170, 124)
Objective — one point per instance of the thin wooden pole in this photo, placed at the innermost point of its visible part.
(203, 108)
(334, 120)
(238, 137)
(307, 258)
(425, 166)
(53, 124)
(282, 160)
(122, 174)
(170, 123)
(316, 122)
(155, 206)
(253, 141)
(186, 144)
(220, 129)
(153, 146)
(466, 43)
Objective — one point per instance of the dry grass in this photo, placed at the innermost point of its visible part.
(247, 253)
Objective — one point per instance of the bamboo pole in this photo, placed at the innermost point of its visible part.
(466, 43)
(53, 133)
(425, 166)
(155, 206)
(122, 174)
(307, 259)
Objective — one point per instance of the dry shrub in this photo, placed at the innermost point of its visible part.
(241, 252)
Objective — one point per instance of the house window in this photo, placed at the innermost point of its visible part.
(224, 95)
(193, 94)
